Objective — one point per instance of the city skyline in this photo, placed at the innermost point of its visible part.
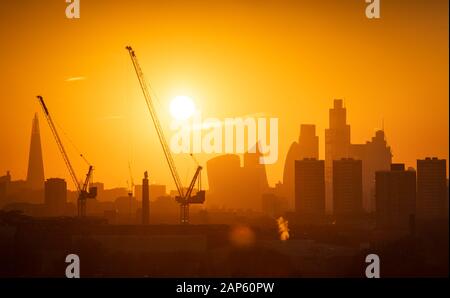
(242, 184)
(96, 100)
(296, 152)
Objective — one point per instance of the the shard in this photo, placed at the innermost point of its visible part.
(35, 175)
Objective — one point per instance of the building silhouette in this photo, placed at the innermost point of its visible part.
(310, 188)
(35, 174)
(347, 187)
(224, 180)
(337, 145)
(111, 194)
(55, 196)
(375, 156)
(18, 191)
(100, 190)
(306, 147)
(308, 142)
(155, 191)
(395, 198)
(234, 187)
(254, 180)
(145, 200)
(126, 208)
(431, 189)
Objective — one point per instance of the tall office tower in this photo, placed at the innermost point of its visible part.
(35, 175)
(347, 187)
(236, 187)
(431, 188)
(55, 196)
(376, 156)
(308, 142)
(306, 147)
(145, 200)
(310, 188)
(337, 145)
(226, 182)
(395, 193)
(254, 180)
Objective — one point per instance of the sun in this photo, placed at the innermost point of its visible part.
(182, 107)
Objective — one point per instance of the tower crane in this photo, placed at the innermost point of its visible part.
(82, 188)
(184, 198)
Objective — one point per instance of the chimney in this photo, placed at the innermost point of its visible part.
(145, 200)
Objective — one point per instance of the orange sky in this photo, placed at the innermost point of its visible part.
(285, 59)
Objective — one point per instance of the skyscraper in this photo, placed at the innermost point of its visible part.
(306, 147)
(347, 187)
(308, 142)
(376, 156)
(35, 174)
(225, 181)
(310, 188)
(236, 187)
(395, 194)
(254, 180)
(431, 188)
(337, 145)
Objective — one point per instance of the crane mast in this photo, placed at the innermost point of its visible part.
(183, 198)
(82, 190)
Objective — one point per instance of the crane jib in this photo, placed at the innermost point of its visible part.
(43, 105)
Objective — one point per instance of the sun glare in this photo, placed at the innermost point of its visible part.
(182, 107)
